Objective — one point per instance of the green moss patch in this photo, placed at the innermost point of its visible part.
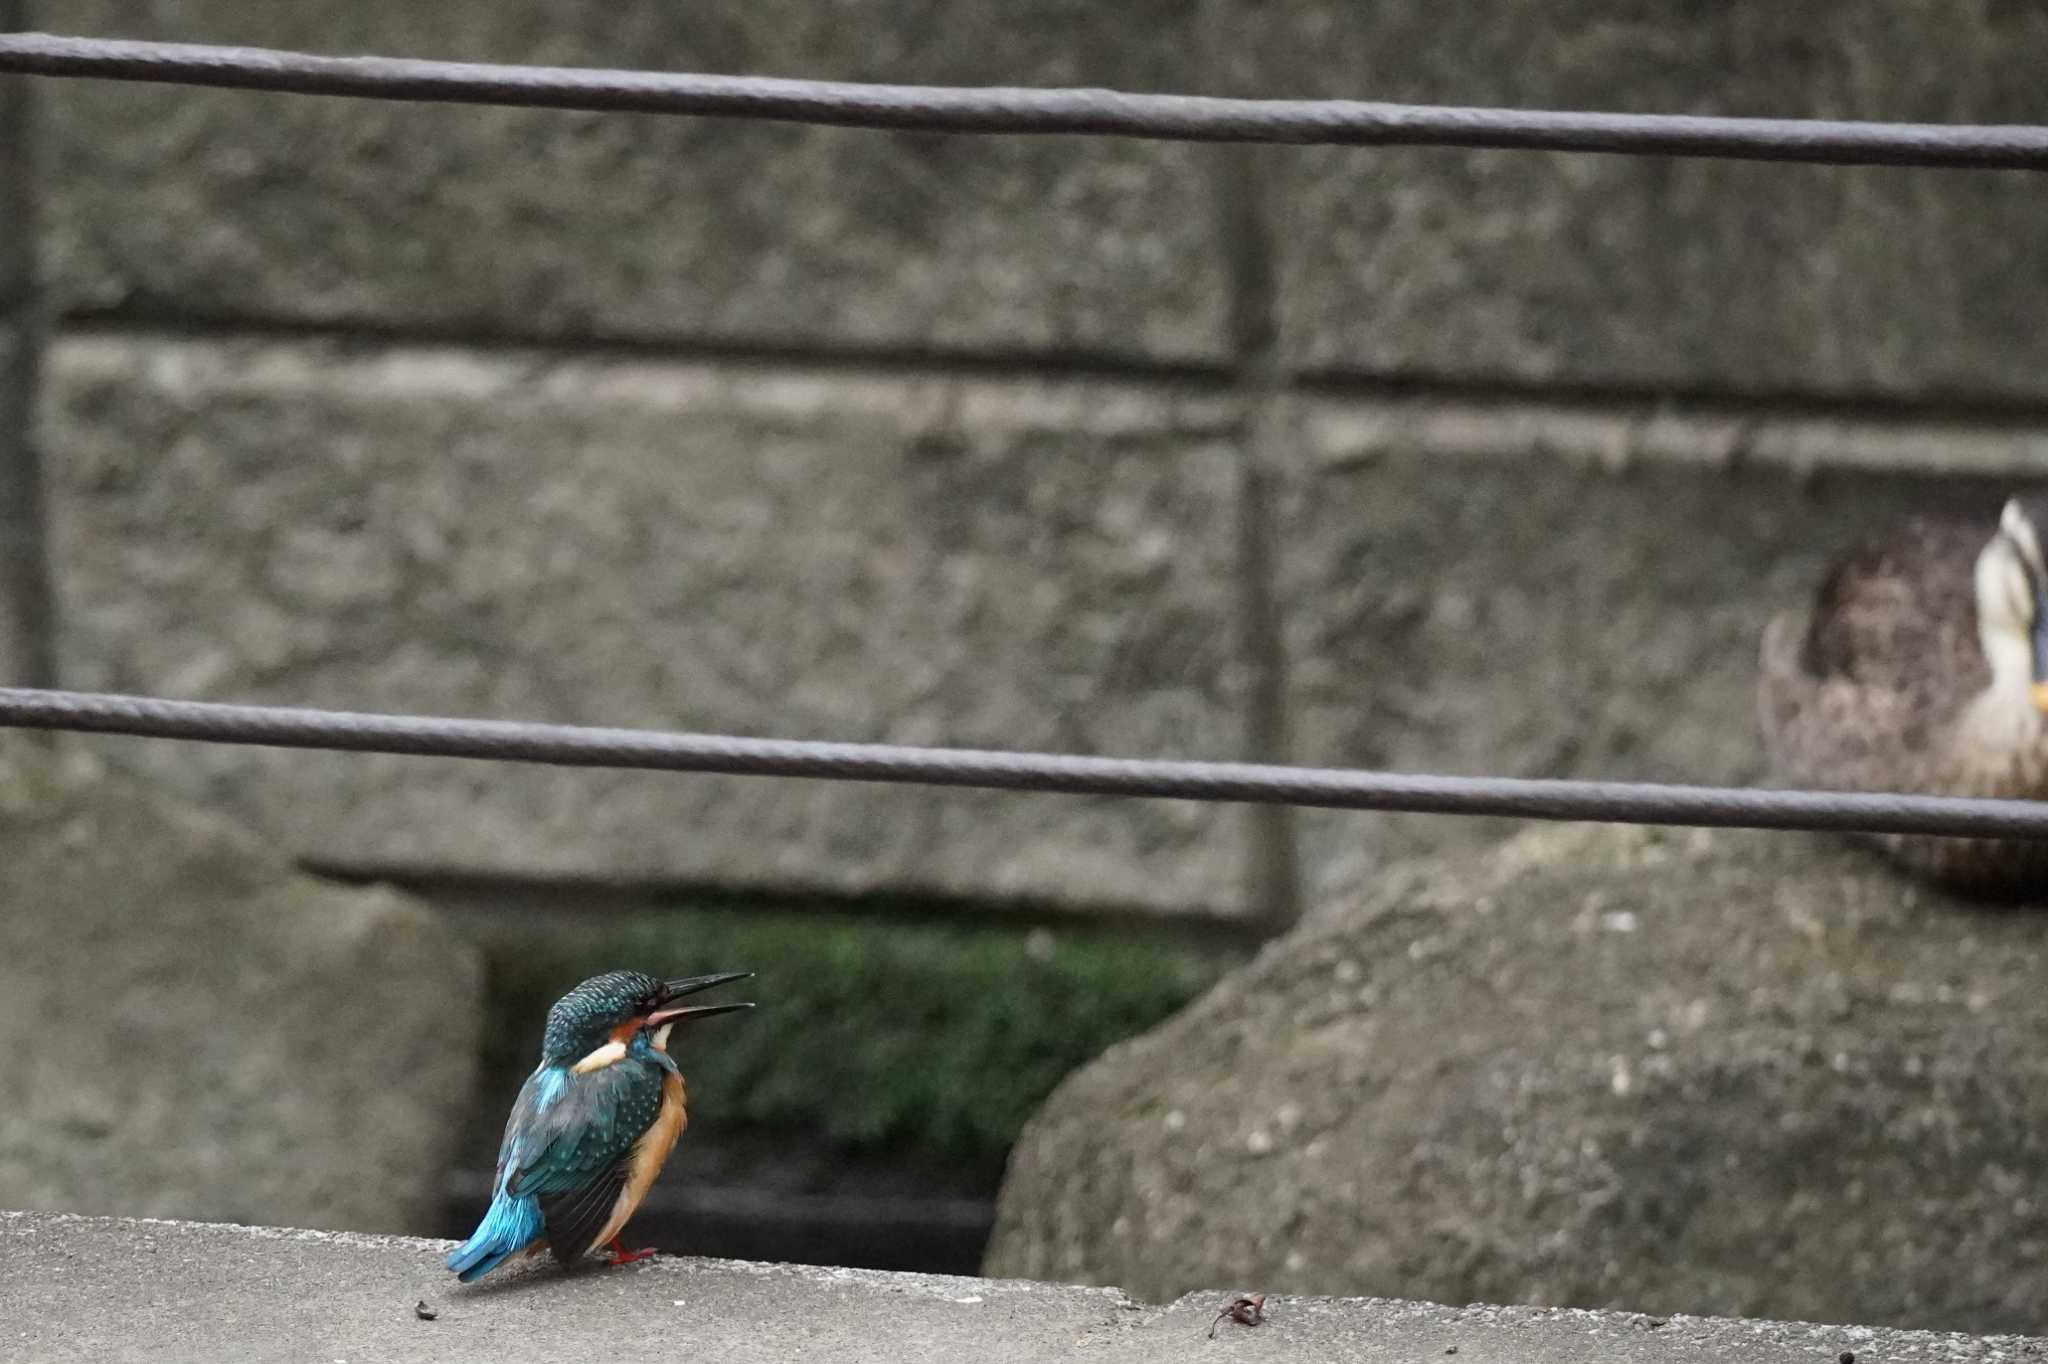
(875, 1036)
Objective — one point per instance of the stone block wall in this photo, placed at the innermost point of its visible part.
(773, 552)
(841, 434)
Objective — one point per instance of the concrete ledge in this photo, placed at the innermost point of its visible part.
(109, 1289)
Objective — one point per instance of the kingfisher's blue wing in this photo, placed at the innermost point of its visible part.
(562, 1164)
(567, 1148)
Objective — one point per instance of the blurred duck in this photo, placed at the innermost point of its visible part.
(1923, 667)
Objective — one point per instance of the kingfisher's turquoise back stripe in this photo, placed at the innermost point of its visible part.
(513, 1221)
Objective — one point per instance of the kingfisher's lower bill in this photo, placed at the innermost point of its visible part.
(592, 1124)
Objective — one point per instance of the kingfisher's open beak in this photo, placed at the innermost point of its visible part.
(676, 989)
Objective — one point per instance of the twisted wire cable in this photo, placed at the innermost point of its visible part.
(958, 109)
(1251, 783)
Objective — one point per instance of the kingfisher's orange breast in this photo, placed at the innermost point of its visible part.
(645, 1160)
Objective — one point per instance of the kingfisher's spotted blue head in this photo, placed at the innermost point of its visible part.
(604, 1015)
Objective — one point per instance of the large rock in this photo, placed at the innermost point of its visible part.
(692, 230)
(195, 1030)
(1003, 564)
(1668, 1070)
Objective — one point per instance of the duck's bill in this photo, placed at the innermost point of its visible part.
(2038, 637)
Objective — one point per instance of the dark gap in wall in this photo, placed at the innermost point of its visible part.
(1935, 407)
(570, 898)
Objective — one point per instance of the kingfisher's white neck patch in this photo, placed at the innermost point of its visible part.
(660, 1037)
(611, 1053)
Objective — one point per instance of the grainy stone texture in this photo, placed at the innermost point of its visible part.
(1479, 267)
(1691, 1071)
(196, 1030)
(1483, 580)
(111, 1291)
(26, 645)
(1528, 268)
(815, 555)
(26, 651)
(699, 230)
(1491, 591)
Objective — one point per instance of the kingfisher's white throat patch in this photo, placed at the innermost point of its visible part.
(609, 1054)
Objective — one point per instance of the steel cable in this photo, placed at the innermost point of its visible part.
(1252, 783)
(1012, 110)
(1000, 110)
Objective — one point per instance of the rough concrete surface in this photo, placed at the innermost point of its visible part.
(1475, 266)
(193, 1029)
(845, 553)
(1653, 271)
(112, 1290)
(26, 648)
(1495, 590)
(720, 548)
(1739, 1073)
(697, 230)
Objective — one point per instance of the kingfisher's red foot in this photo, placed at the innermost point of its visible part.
(621, 1256)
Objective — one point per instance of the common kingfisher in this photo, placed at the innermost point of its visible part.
(592, 1124)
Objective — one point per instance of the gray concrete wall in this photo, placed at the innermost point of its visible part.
(1009, 564)
(27, 634)
(934, 439)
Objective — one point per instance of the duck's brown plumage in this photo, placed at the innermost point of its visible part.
(1867, 691)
